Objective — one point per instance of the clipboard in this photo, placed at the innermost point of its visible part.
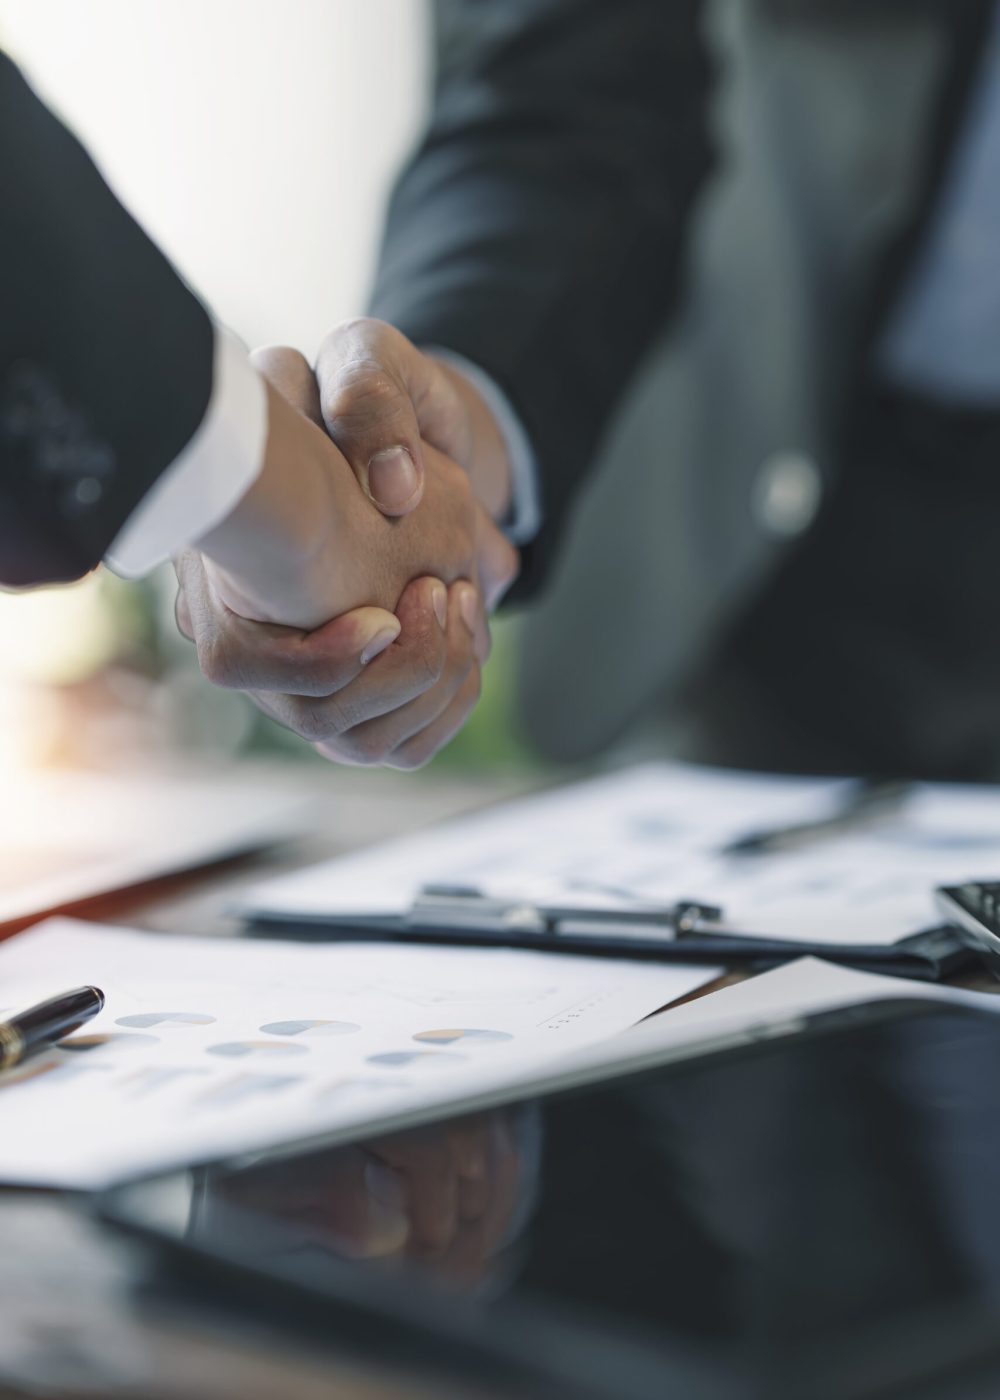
(689, 932)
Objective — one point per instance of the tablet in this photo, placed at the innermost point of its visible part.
(810, 1215)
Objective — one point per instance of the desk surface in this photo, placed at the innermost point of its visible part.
(73, 1322)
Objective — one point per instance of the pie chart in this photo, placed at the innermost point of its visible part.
(450, 1037)
(310, 1028)
(144, 1019)
(424, 1059)
(257, 1049)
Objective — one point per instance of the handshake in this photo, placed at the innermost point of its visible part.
(349, 591)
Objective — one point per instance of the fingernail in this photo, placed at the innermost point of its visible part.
(392, 477)
(468, 606)
(382, 639)
(439, 598)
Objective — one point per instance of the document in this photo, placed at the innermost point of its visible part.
(656, 834)
(758, 1009)
(214, 1046)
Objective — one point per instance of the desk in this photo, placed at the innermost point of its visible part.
(72, 1323)
(69, 1325)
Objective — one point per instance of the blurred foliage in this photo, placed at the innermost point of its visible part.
(491, 738)
(103, 675)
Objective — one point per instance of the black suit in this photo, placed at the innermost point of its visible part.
(540, 230)
(105, 355)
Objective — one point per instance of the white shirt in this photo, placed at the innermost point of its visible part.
(210, 476)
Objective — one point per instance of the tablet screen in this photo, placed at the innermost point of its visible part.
(811, 1206)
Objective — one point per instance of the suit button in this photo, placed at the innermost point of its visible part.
(88, 491)
(787, 493)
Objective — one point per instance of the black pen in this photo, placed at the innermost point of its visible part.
(868, 801)
(49, 1021)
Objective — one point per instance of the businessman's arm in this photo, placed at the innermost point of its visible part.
(538, 231)
(106, 358)
(128, 422)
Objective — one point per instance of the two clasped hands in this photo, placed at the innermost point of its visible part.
(349, 592)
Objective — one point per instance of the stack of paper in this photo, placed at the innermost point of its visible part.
(657, 834)
(208, 1046)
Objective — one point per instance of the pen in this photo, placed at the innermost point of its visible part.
(49, 1021)
(868, 801)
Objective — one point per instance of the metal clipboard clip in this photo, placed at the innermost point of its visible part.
(686, 932)
(465, 909)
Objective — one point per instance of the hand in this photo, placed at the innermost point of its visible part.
(322, 683)
(456, 1189)
(381, 399)
(449, 1194)
(304, 545)
(327, 686)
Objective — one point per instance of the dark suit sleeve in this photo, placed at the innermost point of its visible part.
(105, 355)
(539, 228)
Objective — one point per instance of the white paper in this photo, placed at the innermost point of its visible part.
(772, 1004)
(655, 833)
(216, 1045)
(66, 837)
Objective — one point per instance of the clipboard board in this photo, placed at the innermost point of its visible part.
(689, 932)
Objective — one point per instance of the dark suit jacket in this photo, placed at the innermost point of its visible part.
(540, 227)
(105, 355)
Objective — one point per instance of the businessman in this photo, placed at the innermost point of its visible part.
(133, 429)
(795, 205)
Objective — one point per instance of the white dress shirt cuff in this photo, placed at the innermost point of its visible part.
(524, 519)
(209, 477)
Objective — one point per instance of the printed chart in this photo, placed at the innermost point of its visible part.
(207, 1047)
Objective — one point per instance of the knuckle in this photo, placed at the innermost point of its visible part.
(366, 384)
(287, 353)
(363, 387)
(429, 659)
(354, 326)
(368, 336)
(217, 661)
(335, 751)
(416, 754)
(309, 676)
(314, 721)
(284, 362)
(368, 746)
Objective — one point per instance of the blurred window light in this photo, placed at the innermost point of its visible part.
(256, 141)
(57, 636)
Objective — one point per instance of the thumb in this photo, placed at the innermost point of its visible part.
(368, 404)
(291, 374)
